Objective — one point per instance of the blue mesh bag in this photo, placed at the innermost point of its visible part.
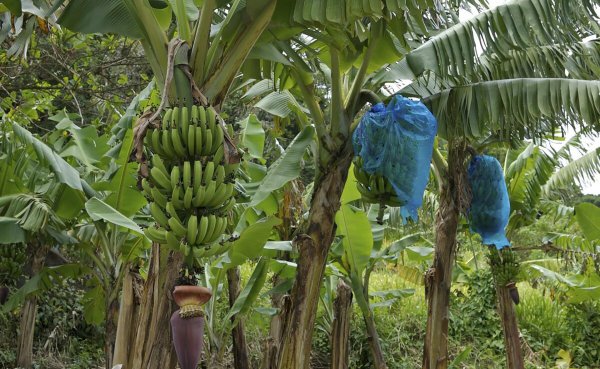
(490, 205)
(397, 142)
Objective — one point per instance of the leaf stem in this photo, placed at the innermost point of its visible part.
(355, 90)
(201, 41)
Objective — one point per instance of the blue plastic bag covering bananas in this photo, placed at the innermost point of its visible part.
(490, 205)
(397, 142)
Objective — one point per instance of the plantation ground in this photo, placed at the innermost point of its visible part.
(548, 326)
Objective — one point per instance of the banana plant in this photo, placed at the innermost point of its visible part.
(359, 250)
(208, 61)
(585, 285)
(461, 84)
(508, 90)
(35, 200)
(108, 240)
(533, 173)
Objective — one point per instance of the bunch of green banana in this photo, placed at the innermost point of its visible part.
(191, 187)
(374, 188)
(504, 264)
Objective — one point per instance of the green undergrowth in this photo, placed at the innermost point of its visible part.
(548, 324)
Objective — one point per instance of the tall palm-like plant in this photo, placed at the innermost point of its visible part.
(485, 77)
(107, 238)
(490, 78)
(206, 60)
(33, 202)
(343, 44)
(323, 72)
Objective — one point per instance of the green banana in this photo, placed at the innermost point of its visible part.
(373, 184)
(202, 117)
(187, 174)
(220, 174)
(166, 119)
(211, 117)
(178, 144)
(220, 225)
(148, 138)
(394, 201)
(197, 175)
(186, 250)
(172, 241)
(202, 122)
(388, 186)
(199, 252)
(177, 227)
(361, 175)
(177, 197)
(175, 117)
(202, 229)
(366, 193)
(211, 188)
(159, 215)
(219, 195)
(191, 199)
(191, 140)
(167, 144)
(217, 250)
(156, 234)
(218, 138)
(198, 138)
(187, 197)
(158, 197)
(208, 141)
(194, 114)
(175, 175)
(229, 203)
(210, 230)
(209, 171)
(156, 143)
(146, 187)
(172, 211)
(219, 155)
(192, 229)
(199, 196)
(185, 121)
(157, 162)
(160, 179)
(374, 188)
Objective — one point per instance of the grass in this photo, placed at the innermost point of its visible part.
(547, 323)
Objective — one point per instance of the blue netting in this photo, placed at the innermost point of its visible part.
(490, 206)
(397, 142)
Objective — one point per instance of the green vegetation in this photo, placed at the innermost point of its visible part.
(103, 208)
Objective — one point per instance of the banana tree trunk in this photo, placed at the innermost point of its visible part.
(275, 331)
(110, 330)
(439, 277)
(313, 246)
(154, 345)
(369, 318)
(38, 253)
(340, 334)
(290, 211)
(240, 348)
(512, 341)
(374, 342)
(126, 323)
(26, 333)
